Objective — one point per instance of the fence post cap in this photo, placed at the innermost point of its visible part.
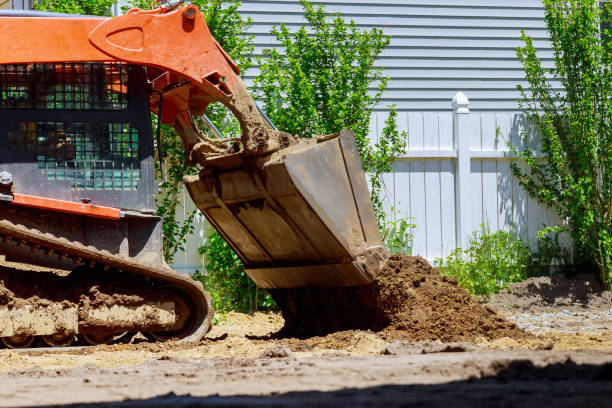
(461, 103)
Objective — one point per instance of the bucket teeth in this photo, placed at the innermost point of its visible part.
(21, 243)
(35, 248)
(7, 239)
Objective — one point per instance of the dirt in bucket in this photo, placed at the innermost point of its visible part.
(409, 300)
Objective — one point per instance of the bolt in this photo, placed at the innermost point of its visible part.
(6, 178)
(189, 12)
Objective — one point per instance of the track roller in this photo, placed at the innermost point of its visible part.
(59, 340)
(15, 342)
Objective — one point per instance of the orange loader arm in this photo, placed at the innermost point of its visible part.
(186, 67)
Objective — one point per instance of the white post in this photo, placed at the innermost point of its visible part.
(461, 136)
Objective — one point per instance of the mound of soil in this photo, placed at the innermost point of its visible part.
(409, 300)
(421, 304)
(541, 293)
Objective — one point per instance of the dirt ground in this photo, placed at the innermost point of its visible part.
(564, 358)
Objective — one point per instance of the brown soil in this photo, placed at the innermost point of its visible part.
(409, 300)
(356, 368)
(541, 293)
(421, 304)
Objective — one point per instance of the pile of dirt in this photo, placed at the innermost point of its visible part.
(541, 293)
(410, 300)
(421, 304)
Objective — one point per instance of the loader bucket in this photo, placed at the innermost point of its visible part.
(299, 217)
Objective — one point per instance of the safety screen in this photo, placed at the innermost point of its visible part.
(100, 156)
(79, 86)
(75, 120)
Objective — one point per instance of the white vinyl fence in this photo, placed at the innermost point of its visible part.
(454, 177)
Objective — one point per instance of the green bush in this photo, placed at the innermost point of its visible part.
(398, 236)
(88, 7)
(575, 123)
(552, 256)
(493, 260)
(226, 281)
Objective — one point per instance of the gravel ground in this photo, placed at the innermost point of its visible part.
(565, 321)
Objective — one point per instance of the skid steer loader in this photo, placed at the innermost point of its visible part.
(80, 244)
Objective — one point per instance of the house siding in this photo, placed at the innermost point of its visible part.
(437, 47)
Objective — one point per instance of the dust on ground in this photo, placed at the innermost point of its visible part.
(422, 356)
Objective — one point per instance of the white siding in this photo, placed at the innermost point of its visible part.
(437, 47)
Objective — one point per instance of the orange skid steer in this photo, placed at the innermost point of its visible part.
(80, 244)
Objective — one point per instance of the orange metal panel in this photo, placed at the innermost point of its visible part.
(66, 206)
(178, 40)
(44, 39)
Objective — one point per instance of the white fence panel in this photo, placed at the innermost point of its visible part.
(456, 176)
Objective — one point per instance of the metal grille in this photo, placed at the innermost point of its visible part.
(78, 86)
(100, 156)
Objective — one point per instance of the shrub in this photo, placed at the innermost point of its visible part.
(575, 177)
(226, 280)
(398, 236)
(492, 260)
(89, 7)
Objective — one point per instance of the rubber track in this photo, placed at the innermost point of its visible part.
(88, 254)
